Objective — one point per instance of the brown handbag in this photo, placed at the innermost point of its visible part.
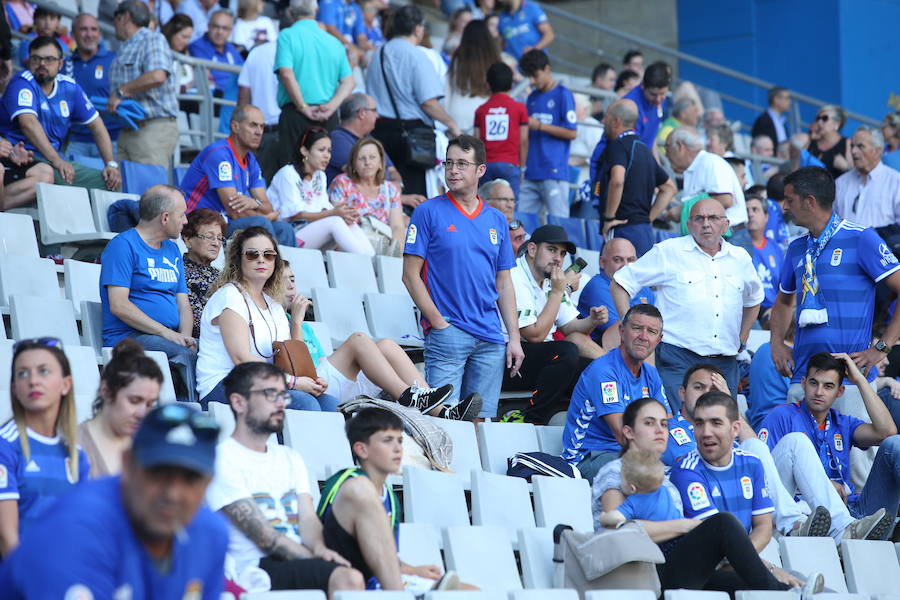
(291, 356)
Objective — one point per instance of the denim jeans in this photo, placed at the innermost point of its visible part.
(594, 461)
(552, 194)
(506, 171)
(672, 361)
(882, 489)
(640, 235)
(299, 400)
(281, 231)
(181, 357)
(86, 149)
(471, 365)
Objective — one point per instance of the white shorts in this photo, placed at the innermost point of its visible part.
(342, 388)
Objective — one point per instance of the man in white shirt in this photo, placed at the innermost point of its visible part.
(869, 194)
(707, 291)
(258, 85)
(551, 367)
(264, 491)
(705, 172)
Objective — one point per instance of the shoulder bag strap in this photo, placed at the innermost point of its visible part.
(386, 84)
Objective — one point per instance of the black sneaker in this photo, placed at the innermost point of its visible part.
(467, 409)
(817, 524)
(425, 399)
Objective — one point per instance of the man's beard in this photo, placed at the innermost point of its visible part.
(265, 426)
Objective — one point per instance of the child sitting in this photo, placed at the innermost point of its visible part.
(642, 478)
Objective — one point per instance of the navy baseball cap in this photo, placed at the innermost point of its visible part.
(179, 436)
(552, 234)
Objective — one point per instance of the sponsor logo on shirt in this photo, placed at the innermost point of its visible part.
(697, 496)
(747, 487)
(763, 435)
(836, 257)
(838, 442)
(609, 392)
(98, 72)
(645, 391)
(411, 235)
(570, 116)
(680, 436)
(193, 590)
(64, 108)
(224, 171)
(772, 260)
(493, 235)
(716, 493)
(158, 274)
(32, 467)
(887, 257)
(25, 97)
(78, 592)
(452, 227)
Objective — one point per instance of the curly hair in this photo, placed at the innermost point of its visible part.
(234, 254)
(200, 217)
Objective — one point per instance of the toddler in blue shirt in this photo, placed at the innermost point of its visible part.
(642, 479)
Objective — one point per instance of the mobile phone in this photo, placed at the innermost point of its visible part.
(577, 265)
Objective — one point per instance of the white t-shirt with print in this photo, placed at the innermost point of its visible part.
(291, 194)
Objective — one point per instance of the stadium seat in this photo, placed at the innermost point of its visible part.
(285, 595)
(536, 555)
(27, 276)
(100, 202)
(342, 310)
(592, 258)
(92, 326)
(17, 235)
(308, 268)
(466, 595)
(178, 174)
(33, 316)
(695, 595)
(433, 497)
(550, 439)
(620, 595)
(65, 216)
(137, 177)
(483, 557)
(320, 439)
(594, 240)
(465, 448)
(167, 390)
(379, 595)
(766, 595)
(500, 441)
(323, 334)
(562, 500)
(806, 555)
(870, 567)
(82, 282)
(501, 501)
(574, 228)
(420, 544)
(531, 221)
(389, 271)
(86, 373)
(543, 594)
(347, 271)
(393, 316)
(6, 352)
(221, 412)
(772, 553)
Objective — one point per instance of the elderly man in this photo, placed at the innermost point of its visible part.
(685, 113)
(868, 194)
(258, 85)
(142, 70)
(214, 46)
(707, 290)
(498, 193)
(773, 123)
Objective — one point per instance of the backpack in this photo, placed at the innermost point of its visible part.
(528, 464)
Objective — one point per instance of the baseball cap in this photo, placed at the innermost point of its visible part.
(179, 436)
(552, 234)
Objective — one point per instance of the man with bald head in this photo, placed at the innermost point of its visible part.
(628, 178)
(707, 291)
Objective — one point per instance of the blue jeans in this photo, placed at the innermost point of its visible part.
(181, 357)
(672, 361)
(471, 365)
(281, 231)
(594, 461)
(448, 7)
(640, 235)
(882, 489)
(87, 149)
(299, 400)
(506, 171)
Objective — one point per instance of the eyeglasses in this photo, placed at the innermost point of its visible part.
(462, 165)
(823, 118)
(269, 255)
(367, 109)
(177, 414)
(41, 342)
(44, 60)
(511, 200)
(272, 395)
(713, 219)
(211, 238)
(515, 224)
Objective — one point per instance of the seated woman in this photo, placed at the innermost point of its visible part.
(363, 366)
(243, 318)
(40, 459)
(299, 193)
(204, 236)
(129, 388)
(364, 189)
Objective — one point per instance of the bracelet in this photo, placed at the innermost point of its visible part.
(293, 381)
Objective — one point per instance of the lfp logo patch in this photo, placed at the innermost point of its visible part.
(697, 496)
(609, 392)
(224, 171)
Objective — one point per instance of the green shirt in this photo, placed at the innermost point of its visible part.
(318, 59)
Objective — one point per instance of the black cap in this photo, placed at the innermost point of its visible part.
(179, 436)
(552, 234)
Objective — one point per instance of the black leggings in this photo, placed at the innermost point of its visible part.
(691, 561)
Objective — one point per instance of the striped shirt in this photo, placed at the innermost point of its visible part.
(218, 166)
(143, 52)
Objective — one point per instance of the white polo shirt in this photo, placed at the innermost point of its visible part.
(531, 299)
(701, 297)
(712, 174)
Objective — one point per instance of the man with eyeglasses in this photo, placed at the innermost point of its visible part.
(707, 291)
(142, 535)
(499, 194)
(264, 490)
(214, 46)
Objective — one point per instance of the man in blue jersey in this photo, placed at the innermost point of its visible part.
(143, 535)
(523, 26)
(456, 267)
(767, 255)
(226, 178)
(830, 274)
(813, 439)
(40, 106)
(552, 127)
(344, 20)
(214, 46)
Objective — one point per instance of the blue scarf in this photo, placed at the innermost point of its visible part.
(811, 310)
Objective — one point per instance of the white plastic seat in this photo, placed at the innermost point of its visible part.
(6, 352)
(167, 389)
(308, 267)
(100, 202)
(33, 316)
(870, 567)
(420, 544)
(466, 595)
(695, 595)
(393, 316)
(323, 334)
(562, 500)
(766, 595)
(757, 338)
(27, 276)
(92, 326)
(286, 595)
(342, 310)
(500, 441)
(221, 412)
(483, 557)
(543, 594)
(501, 501)
(550, 439)
(320, 439)
(536, 554)
(82, 282)
(620, 595)
(17, 236)
(810, 554)
(86, 373)
(347, 271)
(66, 217)
(433, 497)
(592, 258)
(379, 595)
(389, 271)
(465, 448)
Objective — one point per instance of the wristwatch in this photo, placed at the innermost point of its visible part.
(120, 94)
(881, 346)
(113, 164)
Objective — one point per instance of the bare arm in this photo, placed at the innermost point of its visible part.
(616, 187)
(664, 195)
(147, 81)
(547, 36)
(236, 336)
(245, 96)
(882, 425)
(761, 531)
(186, 316)
(291, 87)
(398, 227)
(238, 205)
(412, 279)
(621, 297)
(249, 520)
(782, 313)
(34, 133)
(523, 145)
(748, 317)
(9, 526)
(614, 420)
(726, 200)
(563, 133)
(434, 110)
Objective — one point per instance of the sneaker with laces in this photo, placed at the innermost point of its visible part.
(817, 524)
(513, 416)
(874, 527)
(467, 409)
(425, 399)
(815, 583)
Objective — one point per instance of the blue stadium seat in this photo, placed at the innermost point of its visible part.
(530, 220)
(574, 227)
(178, 174)
(87, 161)
(137, 177)
(594, 240)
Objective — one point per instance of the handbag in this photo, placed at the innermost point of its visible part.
(419, 142)
(291, 356)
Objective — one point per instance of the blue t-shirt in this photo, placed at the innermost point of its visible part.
(153, 277)
(548, 156)
(218, 166)
(463, 253)
(768, 261)
(681, 440)
(847, 269)
(65, 105)
(833, 442)
(647, 126)
(88, 549)
(596, 293)
(605, 387)
(653, 506)
(93, 77)
(776, 228)
(223, 80)
(37, 483)
(739, 488)
(346, 17)
(520, 29)
(768, 387)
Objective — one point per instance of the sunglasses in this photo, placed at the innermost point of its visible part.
(177, 414)
(269, 255)
(41, 342)
(515, 224)
(823, 118)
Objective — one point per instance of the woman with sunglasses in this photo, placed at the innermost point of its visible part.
(40, 459)
(129, 388)
(204, 236)
(299, 192)
(244, 317)
(826, 142)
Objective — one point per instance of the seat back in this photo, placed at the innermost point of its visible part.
(562, 500)
(389, 271)
(137, 177)
(483, 557)
(536, 554)
(501, 501)
(100, 202)
(870, 567)
(574, 228)
(86, 373)
(63, 211)
(810, 554)
(347, 271)
(92, 325)
(592, 258)
(530, 221)
(320, 439)
(465, 447)
(393, 316)
(342, 310)
(28, 276)
(543, 594)
(433, 497)
(500, 441)
(34, 316)
(17, 235)
(550, 439)
(82, 282)
(420, 544)
(695, 595)
(308, 267)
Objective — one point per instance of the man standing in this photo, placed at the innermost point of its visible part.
(523, 26)
(456, 267)
(768, 257)
(773, 122)
(143, 70)
(258, 85)
(141, 535)
(214, 46)
(89, 67)
(632, 178)
(869, 193)
(707, 290)
(603, 78)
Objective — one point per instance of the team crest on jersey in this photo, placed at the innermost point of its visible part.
(64, 108)
(763, 435)
(193, 590)
(493, 235)
(571, 117)
(772, 261)
(609, 392)
(680, 436)
(98, 72)
(78, 592)
(747, 487)
(551, 103)
(836, 257)
(697, 496)
(224, 171)
(411, 234)
(25, 97)
(4, 479)
(645, 391)
(887, 257)
(838, 442)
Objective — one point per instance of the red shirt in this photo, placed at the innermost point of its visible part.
(498, 121)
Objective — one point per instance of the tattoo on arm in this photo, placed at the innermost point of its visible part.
(246, 516)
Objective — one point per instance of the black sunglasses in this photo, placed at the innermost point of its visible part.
(823, 118)
(177, 414)
(515, 224)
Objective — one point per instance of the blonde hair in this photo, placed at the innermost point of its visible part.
(247, 7)
(643, 470)
(231, 273)
(352, 173)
